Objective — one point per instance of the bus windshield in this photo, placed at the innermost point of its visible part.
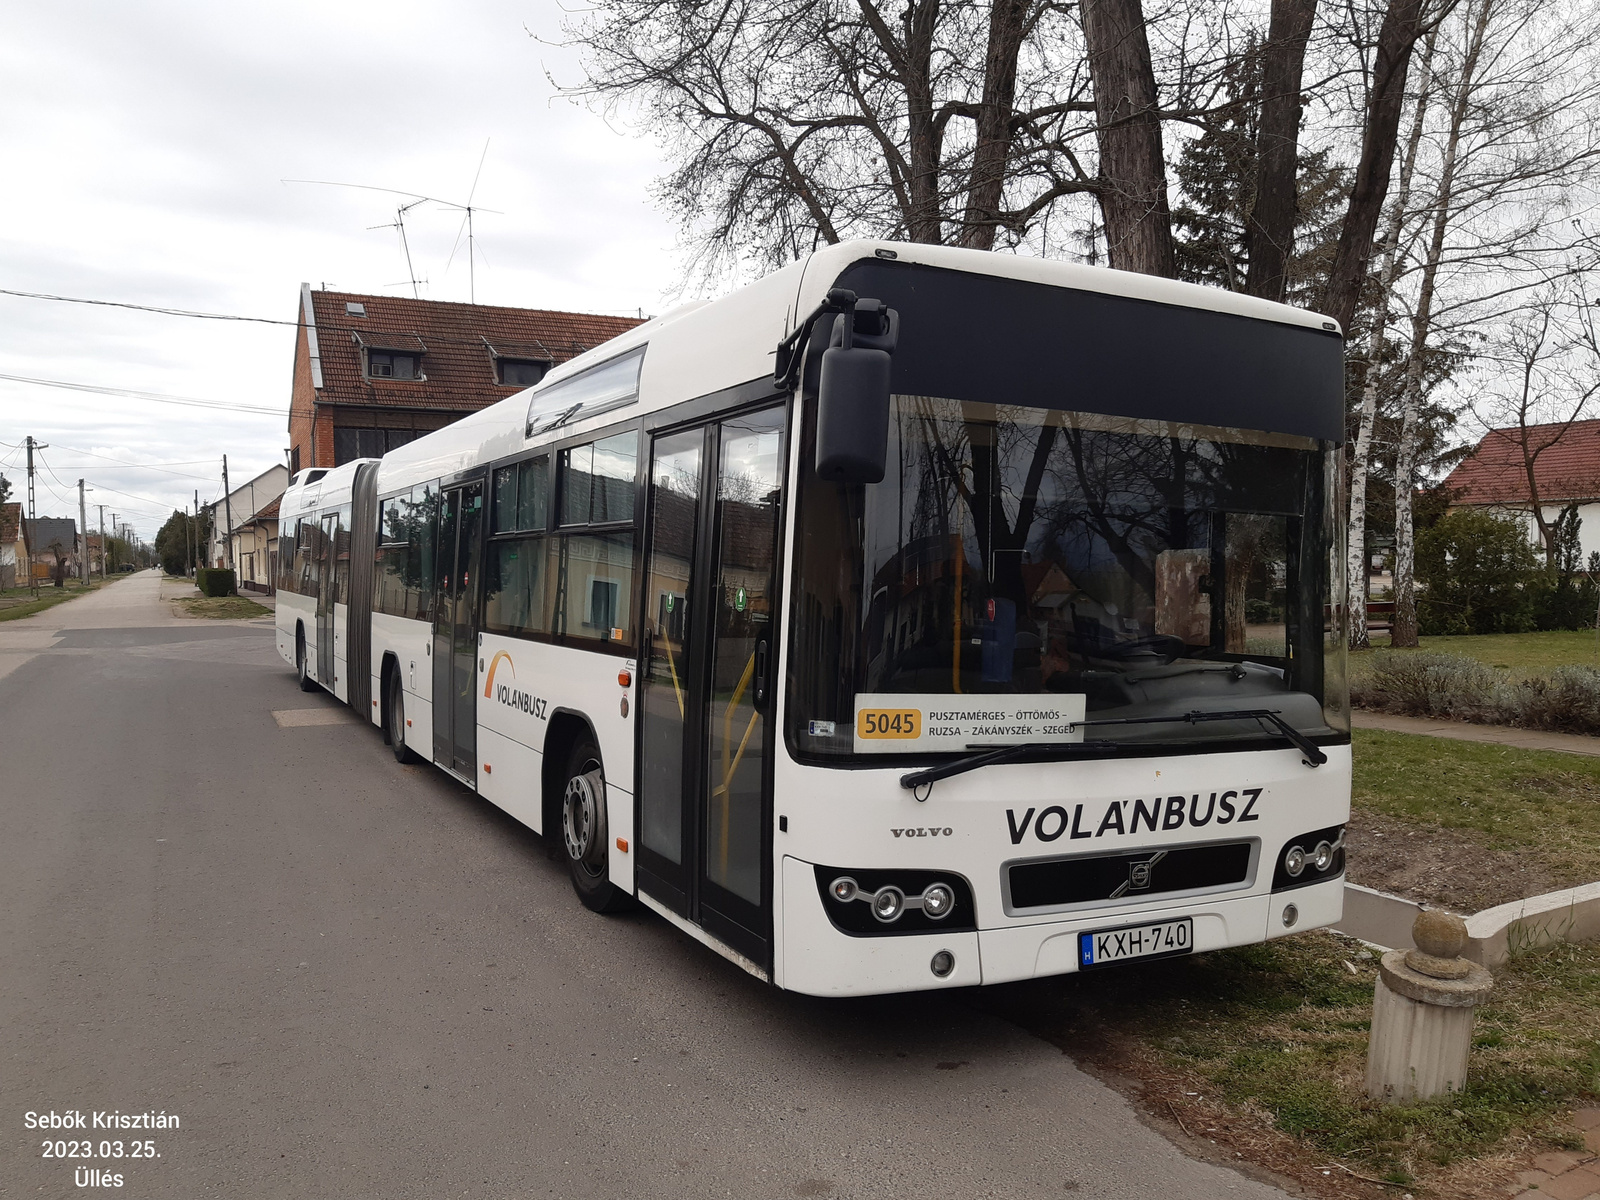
(1138, 568)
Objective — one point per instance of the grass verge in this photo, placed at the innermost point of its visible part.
(1261, 1051)
(16, 603)
(1471, 824)
(220, 607)
(1519, 653)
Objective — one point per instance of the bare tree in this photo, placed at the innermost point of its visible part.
(1269, 232)
(1361, 452)
(1404, 24)
(1133, 177)
(796, 123)
(1555, 359)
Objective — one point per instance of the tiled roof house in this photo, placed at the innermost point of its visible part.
(373, 372)
(1566, 472)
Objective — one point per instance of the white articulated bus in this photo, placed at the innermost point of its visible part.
(913, 617)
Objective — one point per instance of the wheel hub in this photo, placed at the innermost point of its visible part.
(583, 817)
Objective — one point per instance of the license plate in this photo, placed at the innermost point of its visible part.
(1154, 939)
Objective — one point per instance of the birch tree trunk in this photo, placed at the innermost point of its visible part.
(1405, 597)
(1403, 25)
(1357, 566)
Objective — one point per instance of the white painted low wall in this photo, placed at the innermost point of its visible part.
(1493, 935)
(1571, 915)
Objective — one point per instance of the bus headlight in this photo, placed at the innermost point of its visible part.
(938, 900)
(888, 904)
(843, 889)
(1310, 858)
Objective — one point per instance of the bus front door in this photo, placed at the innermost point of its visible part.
(455, 629)
(709, 622)
(326, 591)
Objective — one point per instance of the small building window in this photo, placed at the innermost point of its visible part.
(385, 364)
(520, 372)
(352, 309)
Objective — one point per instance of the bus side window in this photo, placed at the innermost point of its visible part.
(594, 587)
(419, 560)
(285, 580)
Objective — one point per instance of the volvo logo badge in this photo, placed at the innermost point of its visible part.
(1138, 875)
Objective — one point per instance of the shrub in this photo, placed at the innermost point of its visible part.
(1433, 685)
(214, 581)
(1477, 571)
(1567, 700)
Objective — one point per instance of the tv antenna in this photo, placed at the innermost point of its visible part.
(414, 199)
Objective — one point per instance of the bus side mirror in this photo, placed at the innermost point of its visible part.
(853, 396)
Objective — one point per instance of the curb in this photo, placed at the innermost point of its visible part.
(1570, 915)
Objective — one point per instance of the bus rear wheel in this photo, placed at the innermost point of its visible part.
(583, 831)
(302, 668)
(395, 706)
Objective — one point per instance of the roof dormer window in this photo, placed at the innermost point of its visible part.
(352, 309)
(386, 364)
(520, 372)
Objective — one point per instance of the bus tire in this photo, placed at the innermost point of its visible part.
(302, 668)
(583, 830)
(394, 703)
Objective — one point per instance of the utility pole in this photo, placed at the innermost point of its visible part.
(113, 527)
(197, 529)
(83, 529)
(102, 509)
(227, 504)
(33, 584)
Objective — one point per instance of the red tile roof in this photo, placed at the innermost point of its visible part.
(10, 522)
(1568, 469)
(458, 343)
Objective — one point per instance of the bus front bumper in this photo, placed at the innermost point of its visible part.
(820, 960)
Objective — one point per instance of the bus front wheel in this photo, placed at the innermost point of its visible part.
(583, 831)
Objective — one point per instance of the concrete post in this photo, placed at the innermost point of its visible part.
(1422, 1013)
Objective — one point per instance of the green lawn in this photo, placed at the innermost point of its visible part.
(1519, 653)
(221, 607)
(19, 602)
(1276, 1035)
(1471, 824)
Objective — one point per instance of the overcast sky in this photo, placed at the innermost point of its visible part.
(143, 147)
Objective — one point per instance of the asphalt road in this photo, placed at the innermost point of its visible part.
(352, 978)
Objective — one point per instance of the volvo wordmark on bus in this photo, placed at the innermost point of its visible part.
(913, 617)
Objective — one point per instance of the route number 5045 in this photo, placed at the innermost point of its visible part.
(889, 723)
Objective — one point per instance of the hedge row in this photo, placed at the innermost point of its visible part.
(214, 581)
(1447, 685)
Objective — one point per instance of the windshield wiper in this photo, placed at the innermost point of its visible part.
(1038, 751)
(1314, 756)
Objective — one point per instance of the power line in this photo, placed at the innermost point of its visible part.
(365, 327)
(155, 397)
(162, 467)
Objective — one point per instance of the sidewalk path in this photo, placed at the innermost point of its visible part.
(1461, 731)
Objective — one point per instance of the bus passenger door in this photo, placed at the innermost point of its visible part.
(326, 591)
(455, 629)
(705, 777)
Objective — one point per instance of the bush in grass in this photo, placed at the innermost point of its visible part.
(1431, 685)
(1477, 571)
(214, 581)
(1567, 700)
